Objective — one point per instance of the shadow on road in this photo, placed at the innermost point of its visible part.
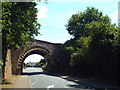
(38, 73)
(80, 82)
(77, 85)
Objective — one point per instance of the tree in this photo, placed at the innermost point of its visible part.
(19, 24)
(42, 62)
(95, 46)
(77, 23)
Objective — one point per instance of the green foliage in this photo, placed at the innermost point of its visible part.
(69, 49)
(41, 63)
(38, 63)
(84, 41)
(79, 59)
(95, 48)
(77, 24)
(19, 24)
(1, 64)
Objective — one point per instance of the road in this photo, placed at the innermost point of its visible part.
(37, 78)
(40, 79)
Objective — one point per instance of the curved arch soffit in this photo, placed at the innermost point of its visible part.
(32, 50)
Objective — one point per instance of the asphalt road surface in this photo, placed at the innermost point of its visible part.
(40, 79)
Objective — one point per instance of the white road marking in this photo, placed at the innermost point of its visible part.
(50, 86)
(66, 87)
(35, 81)
(35, 78)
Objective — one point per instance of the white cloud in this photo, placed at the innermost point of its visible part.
(42, 11)
(114, 16)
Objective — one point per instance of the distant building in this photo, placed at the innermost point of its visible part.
(119, 13)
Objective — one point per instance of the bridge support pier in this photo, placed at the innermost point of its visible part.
(18, 72)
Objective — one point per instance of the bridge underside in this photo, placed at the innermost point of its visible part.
(50, 58)
(34, 50)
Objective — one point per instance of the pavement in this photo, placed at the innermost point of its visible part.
(23, 82)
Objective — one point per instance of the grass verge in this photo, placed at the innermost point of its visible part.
(10, 82)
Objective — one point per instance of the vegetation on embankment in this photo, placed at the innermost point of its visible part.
(94, 50)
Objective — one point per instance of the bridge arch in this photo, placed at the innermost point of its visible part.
(50, 51)
(33, 50)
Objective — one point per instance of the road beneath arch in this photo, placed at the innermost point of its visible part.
(37, 78)
(40, 79)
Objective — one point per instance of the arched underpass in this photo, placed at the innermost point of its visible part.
(34, 50)
(34, 60)
(49, 51)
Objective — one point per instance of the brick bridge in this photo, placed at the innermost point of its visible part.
(49, 51)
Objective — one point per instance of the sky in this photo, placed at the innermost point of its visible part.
(33, 58)
(54, 15)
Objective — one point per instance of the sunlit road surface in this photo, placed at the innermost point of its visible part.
(40, 79)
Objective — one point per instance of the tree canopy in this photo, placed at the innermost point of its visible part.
(77, 23)
(95, 47)
(19, 23)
